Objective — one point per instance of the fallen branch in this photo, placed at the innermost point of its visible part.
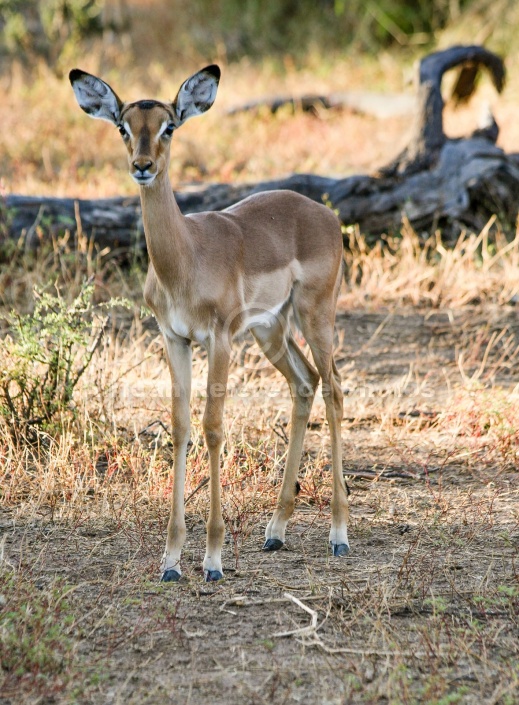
(379, 105)
(317, 641)
(310, 629)
(390, 474)
(435, 182)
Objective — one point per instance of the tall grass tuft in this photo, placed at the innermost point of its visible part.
(405, 270)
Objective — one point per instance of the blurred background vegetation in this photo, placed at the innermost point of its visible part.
(145, 48)
(51, 30)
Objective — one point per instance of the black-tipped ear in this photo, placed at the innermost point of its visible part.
(95, 97)
(197, 94)
(75, 74)
(213, 70)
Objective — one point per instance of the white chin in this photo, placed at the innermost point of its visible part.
(143, 181)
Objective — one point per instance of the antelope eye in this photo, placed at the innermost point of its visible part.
(122, 130)
(169, 130)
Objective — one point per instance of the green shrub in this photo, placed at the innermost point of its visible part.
(43, 358)
(44, 29)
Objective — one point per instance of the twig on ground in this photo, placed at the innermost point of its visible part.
(375, 335)
(157, 422)
(389, 474)
(243, 601)
(197, 488)
(310, 629)
(317, 641)
(280, 431)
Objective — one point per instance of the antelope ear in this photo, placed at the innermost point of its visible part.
(95, 97)
(197, 94)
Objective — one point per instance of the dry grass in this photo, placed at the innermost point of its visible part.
(424, 611)
(405, 270)
(426, 608)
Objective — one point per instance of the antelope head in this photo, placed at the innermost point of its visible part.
(146, 126)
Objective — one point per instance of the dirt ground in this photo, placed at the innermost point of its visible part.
(424, 609)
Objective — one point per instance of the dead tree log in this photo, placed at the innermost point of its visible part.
(436, 182)
(428, 135)
(378, 105)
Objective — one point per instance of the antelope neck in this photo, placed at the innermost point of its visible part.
(168, 240)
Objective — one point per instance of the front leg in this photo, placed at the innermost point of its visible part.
(218, 358)
(178, 353)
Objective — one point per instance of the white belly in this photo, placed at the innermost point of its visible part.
(178, 324)
(261, 317)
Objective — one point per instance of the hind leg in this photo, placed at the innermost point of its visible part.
(317, 322)
(284, 353)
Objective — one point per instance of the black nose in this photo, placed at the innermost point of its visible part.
(142, 167)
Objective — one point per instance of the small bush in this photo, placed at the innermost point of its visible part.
(44, 357)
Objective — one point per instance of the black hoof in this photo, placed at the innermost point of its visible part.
(170, 576)
(211, 576)
(272, 545)
(340, 549)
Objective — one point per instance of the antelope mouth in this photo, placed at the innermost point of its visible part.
(143, 179)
